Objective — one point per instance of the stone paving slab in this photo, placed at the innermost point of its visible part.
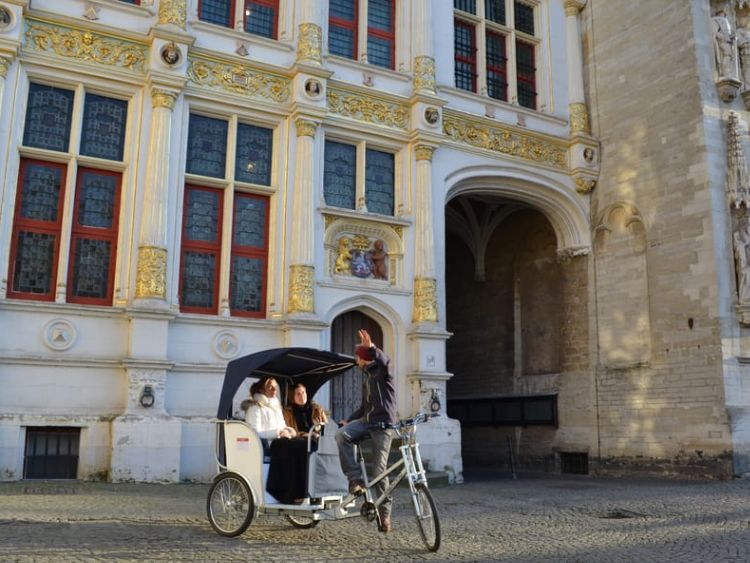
(489, 518)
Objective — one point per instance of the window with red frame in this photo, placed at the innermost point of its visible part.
(342, 28)
(497, 70)
(200, 256)
(249, 262)
(220, 12)
(344, 32)
(38, 215)
(465, 56)
(261, 17)
(134, 2)
(526, 73)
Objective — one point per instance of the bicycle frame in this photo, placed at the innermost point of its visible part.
(410, 465)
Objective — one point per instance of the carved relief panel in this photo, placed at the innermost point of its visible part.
(358, 250)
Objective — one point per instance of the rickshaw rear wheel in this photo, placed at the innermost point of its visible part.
(230, 505)
(302, 522)
(427, 517)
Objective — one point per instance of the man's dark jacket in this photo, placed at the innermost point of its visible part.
(378, 391)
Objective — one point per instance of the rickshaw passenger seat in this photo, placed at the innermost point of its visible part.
(266, 450)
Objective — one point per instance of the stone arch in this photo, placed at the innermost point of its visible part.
(620, 260)
(565, 209)
(386, 316)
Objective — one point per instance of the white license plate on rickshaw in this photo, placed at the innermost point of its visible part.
(238, 493)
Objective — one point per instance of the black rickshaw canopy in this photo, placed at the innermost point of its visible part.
(309, 366)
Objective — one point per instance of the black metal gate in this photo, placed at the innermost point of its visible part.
(51, 452)
(346, 389)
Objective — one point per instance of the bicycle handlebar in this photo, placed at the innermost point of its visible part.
(418, 418)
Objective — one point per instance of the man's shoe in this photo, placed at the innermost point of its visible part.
(385, 524)
(356, 487)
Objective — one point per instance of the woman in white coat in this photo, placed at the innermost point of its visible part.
(286, 473)
(264, 411)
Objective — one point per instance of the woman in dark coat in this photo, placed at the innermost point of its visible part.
(301, 414)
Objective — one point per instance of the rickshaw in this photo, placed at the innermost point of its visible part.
(238, 493)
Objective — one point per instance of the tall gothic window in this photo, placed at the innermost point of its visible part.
(259, 17)
(223, 198)
(495, 49)
(346, 184)
(44, 255)
(348, 37)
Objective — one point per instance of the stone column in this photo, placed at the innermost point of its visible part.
(151, 275)
(4, 66)
(302, 271)
(310, 40)
(579, 117)
(424, 62)
(425, 285)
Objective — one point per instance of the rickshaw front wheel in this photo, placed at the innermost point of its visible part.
(230, 505)
(302, 522)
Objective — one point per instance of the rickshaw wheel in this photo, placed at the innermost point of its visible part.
(427, 517)
(302, 522)
(230, 505)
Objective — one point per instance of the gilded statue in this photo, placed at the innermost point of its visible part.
(344, 258)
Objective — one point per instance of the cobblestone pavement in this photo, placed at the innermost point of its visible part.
(489, 518)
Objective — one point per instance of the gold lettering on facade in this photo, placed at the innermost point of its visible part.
(480, 134)
(309, 44)
(425, 301)
(238, 79)
(163, 99)
(301, 289)
(367, 108)
(424, 152)
(579, 118)
(424, 73)
(306, 128)
(151, 276)
(85, 46)
(173, 11)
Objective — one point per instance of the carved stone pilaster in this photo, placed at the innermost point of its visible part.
(163, 99)
(309, 46)
(4, 66)
(306, 128)
(424, 73)
(579, 118)
(173, 12)
(425, 301)
(573, 7)
(151, 276)
(738, 179)
(301, 289)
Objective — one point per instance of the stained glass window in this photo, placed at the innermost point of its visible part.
(91, 265)
(379, 181)
(380, 14)
(340, 174)
(260, 18)
(380, 32)
(497, 85)
(94, 237)
(494, 10)
(249, 255)
(379, 51)
(198, 278)
(469, 6)
(103, 131)
(202, 215)
(254, 154)
(524, 17)
(33, 263)
(526, 69)
(246, 286)
(48, 117)
(96, 199)
(41, 191)
(216, 11)
(207, 146)
(201, 245)
(342, 28)
(465, 56)
(250, 221)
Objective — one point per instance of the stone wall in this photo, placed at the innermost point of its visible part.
(660, 388)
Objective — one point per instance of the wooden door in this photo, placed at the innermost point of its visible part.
(346, 389)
